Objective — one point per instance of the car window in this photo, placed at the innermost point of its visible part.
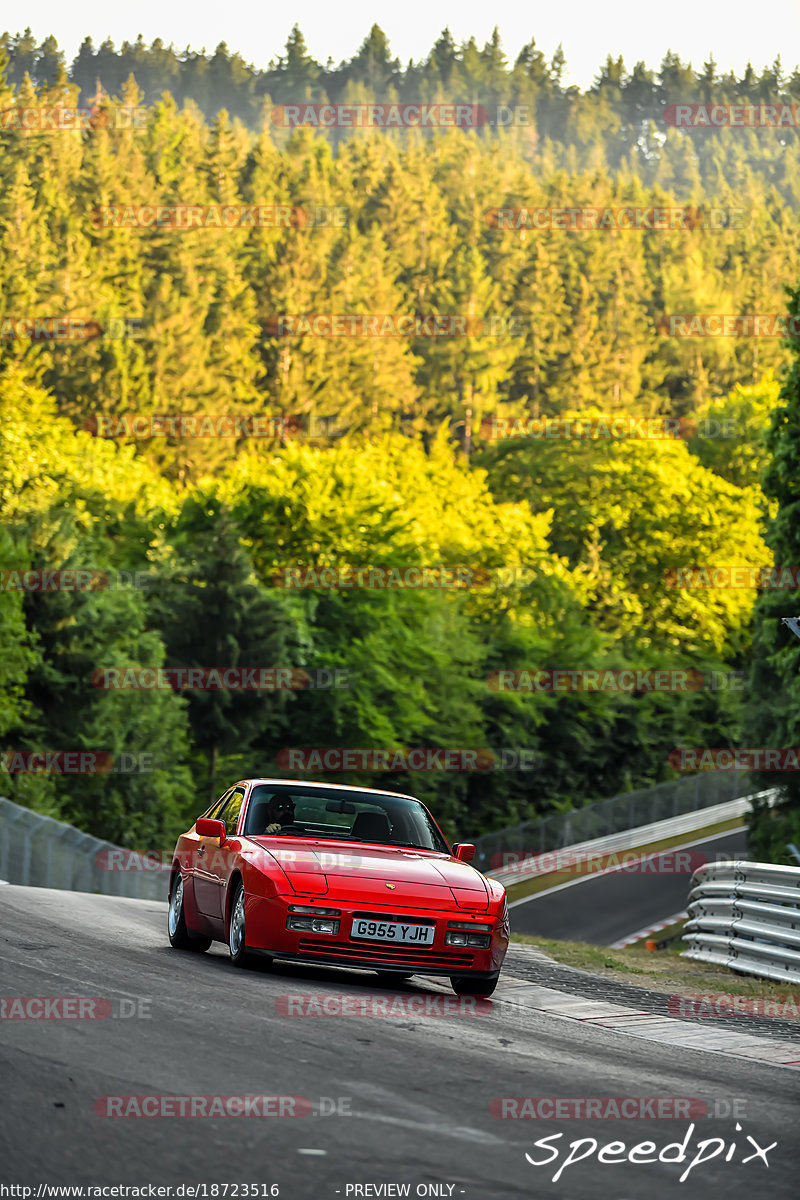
(345, 816)
(216, 808)
(230, 812)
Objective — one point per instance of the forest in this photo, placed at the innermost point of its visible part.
(370, 418)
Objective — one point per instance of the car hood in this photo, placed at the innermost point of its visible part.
(364, 873)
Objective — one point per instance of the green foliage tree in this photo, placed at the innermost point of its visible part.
(773, 714)
(214, 614)
(595, 525)
(729, 435)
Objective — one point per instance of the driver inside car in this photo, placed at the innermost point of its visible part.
(280, 812)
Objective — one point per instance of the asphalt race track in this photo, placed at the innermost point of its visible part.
(603, 909)
(418, 1087)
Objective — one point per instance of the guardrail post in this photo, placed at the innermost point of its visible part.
(746, 915)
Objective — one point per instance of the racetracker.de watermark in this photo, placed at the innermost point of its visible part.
(382, 1006)
(605, 428)
(622, 679)
(726, 758)
(739, 576)
(211, 1107)
(582, 862)
(381, 578)
(221, 679)
(732, 325)
(599, 1108)
(47, 579)
(724, 1004)
(152, 861)
(145, 426)
(186, 217)
(74, 1008)
(396, 325)
(731, 116)
(641, 219)
(73, 579)
(420, 758)
(58, 118)
(73, 762)
(407, 115)
(69, 329)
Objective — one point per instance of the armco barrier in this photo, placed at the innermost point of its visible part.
(629, 810)
(746, 916)
(630, 839)
(40, 852)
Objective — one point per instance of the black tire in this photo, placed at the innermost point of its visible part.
(464, 985)
(180, 936)
(237, 937)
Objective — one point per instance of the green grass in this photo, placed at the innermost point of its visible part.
(541, 883)
(659, 970)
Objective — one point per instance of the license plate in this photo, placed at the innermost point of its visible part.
(391, 931)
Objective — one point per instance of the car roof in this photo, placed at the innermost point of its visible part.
(340, 787)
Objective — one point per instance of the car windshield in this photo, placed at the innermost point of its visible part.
(342, 816)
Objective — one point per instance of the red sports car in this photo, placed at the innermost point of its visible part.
(341, 876)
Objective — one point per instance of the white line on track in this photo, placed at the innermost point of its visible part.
(643, 933)
(462, 1132)
(611, 870)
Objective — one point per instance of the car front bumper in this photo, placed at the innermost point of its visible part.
(266, 932)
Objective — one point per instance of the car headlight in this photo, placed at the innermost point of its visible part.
(479, 940)
(465, 933)
(313, 920)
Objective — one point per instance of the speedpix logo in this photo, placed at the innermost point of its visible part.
(616, 1153)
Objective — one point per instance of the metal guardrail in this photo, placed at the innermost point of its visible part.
(40, 852)
(629, 839)
(626, 811)
(746, 916)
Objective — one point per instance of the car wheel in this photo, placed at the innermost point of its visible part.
(236, 931)
(463, 985)
(180, 937)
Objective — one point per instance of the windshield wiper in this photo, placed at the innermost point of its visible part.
(413, 846)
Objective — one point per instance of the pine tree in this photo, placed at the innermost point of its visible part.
(214, 614)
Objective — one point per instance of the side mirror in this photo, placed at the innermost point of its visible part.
(465, 852)
(206, 827)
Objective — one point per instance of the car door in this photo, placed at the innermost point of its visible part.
(218, 861)
(204, 881)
